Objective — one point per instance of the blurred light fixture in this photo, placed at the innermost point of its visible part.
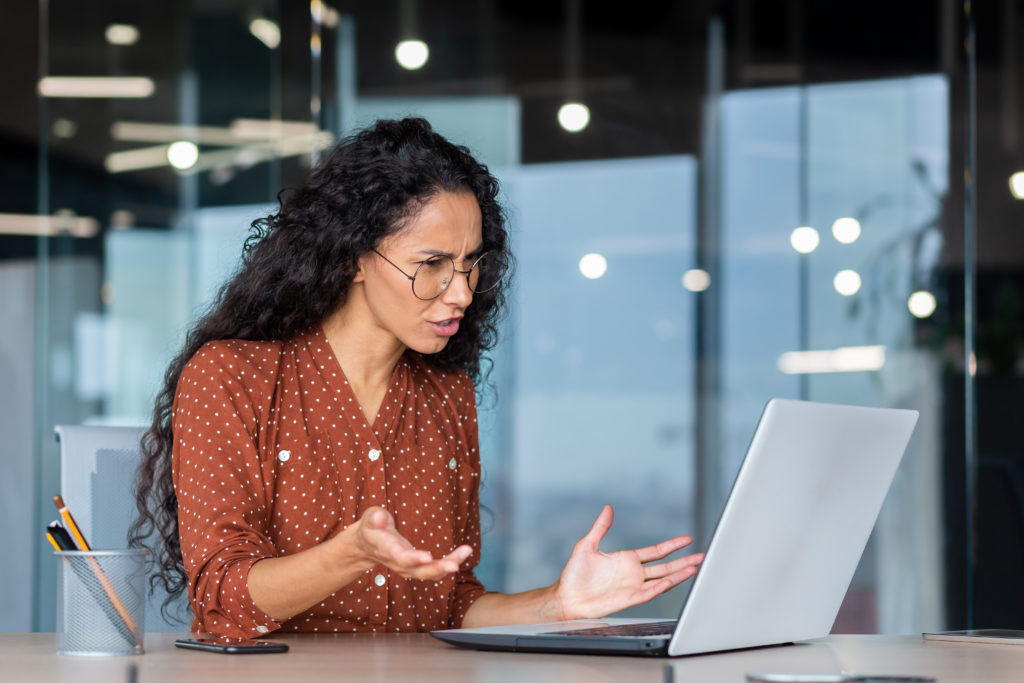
(847, 282)
(804, 239)
(136, 159)
(96, 86)
(182, 154)
(122, 34)
(330, 16)
(696, 280)
(63, 222)
(412, 54)
(846, 230)
(64, 128)
(843, 359)
(1017, 185)
(921, 304)
(593, 266)
(266, 31)
(573, 116)
(122, 219)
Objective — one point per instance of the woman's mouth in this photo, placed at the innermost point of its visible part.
(446, 328)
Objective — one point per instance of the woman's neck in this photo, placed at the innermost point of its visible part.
(366, 352)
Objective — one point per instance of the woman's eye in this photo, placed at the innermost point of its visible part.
(433, 263)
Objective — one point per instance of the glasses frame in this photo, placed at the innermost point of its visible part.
(412, 278)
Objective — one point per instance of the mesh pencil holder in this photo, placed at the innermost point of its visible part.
(101, 602)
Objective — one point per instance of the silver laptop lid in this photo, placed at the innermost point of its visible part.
(794, 526)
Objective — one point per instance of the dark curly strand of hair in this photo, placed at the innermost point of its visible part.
(297, 267)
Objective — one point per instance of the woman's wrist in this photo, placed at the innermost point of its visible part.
(346, 555)
(552, 606)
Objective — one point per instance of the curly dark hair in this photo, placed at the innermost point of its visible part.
(297, 266)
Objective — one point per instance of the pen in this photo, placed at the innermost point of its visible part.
(82, 544)
(59, 536)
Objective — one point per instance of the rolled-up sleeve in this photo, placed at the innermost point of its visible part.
(223, 498)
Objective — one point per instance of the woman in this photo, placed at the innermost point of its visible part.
(313, 461)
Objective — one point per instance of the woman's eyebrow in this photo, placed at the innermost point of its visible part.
(437, 252)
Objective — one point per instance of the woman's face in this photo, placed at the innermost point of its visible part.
(450, 224)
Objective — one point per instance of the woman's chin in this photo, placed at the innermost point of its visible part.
(430, 346)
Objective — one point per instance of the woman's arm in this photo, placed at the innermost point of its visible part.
(285, 586)
(592, 584)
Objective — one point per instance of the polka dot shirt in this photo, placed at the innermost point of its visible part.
(273, 455)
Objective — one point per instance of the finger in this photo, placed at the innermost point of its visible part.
(660, 550)
(458, 556)
(376, 518)
(652, 589)
(431, 571)
(656, 571)
(600, 527)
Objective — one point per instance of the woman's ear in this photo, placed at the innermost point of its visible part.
(361, 266)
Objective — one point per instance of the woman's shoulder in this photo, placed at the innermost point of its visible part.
(239, 359)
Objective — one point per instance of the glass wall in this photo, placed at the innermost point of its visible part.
(756, 199)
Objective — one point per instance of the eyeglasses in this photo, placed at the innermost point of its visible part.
(435, 275)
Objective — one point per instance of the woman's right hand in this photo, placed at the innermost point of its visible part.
(377, 538)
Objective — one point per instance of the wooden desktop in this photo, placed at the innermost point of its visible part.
(418, 657)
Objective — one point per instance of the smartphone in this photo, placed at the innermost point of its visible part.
(232, 646)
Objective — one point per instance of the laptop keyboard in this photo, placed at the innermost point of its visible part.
(640, 630)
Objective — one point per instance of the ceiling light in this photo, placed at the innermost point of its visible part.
(846, 230)
(412, 54)
(64, 128)
(122, 34)
(847, 282)
(573, 116)
(804, 239)
(64, 222)
(1017, 185)
(921, 304)
(593, 266)
(696, 280)
(96, 86)
(843, 359)
(266, 31)
(182, 155)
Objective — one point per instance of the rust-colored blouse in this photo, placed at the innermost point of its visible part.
(273, 455)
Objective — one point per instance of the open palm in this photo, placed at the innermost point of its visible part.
(594, 584)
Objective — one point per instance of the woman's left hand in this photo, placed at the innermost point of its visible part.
(594, 584)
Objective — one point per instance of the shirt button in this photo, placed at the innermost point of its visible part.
(379, 580)
(284, 455)
(451, 464)
(373, 455)
(264, 629)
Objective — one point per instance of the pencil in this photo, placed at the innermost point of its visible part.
(69, 523)
(72, 527)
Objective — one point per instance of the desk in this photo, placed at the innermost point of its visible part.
(418, 657)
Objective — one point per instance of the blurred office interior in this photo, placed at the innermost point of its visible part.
(711, 203)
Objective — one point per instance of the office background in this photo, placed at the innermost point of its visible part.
(757, 198)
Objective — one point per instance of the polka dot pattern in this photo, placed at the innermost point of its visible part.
(272, 455)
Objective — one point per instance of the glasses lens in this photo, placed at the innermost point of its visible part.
(432, 277)
(487, 273)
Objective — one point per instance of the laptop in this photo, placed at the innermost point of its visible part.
(783, 553)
